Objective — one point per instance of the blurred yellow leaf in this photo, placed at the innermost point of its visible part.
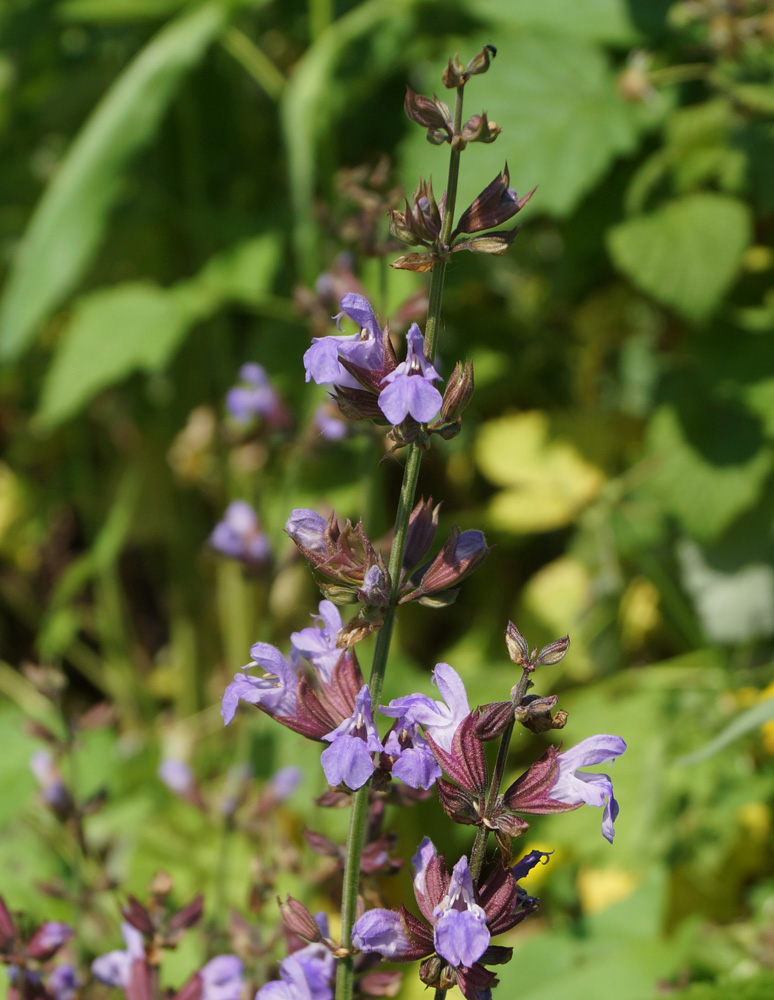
(599, 888)
(546, 481)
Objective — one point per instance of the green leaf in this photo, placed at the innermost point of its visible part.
(687, 254)
(563, 121)
(137, 326)
(752, 718)
(111, 333)
(708, 472)
(594, 20)
(68, 222)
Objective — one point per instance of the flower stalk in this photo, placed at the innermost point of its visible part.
(357, 823)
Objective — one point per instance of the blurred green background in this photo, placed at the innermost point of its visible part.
(175, 179)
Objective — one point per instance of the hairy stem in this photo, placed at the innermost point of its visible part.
(358, 817)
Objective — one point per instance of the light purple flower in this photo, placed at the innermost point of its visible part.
(255, 397)
(50, 781)
(63, 982)
(574, 786)
(307, 529)
(440, 718)
(239, 535)
(460, 934)
(381, 931)
(306, 974)
(330, 425)
(410, 388)
(349, 758)
(365, 349)
(275, 692)
(413, 760)
(285, 782)
(222, 978)
(177, 776)
(317, 643)
(114, 968)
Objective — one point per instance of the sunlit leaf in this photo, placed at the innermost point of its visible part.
(546, 481)
(687, 254)
(68, 223)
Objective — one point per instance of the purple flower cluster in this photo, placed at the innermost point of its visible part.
(239, 535)
(305, 974)
(254, 396)
(364, 362)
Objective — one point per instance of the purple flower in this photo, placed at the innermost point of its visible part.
(221, 978)
(317, 643)
(412, 759)
(177, 776)
(275, 692)
(410, 388)
(575, 787)
(52, 787)
(254, 398)
(461, 935)
(285, 782)
(365, 349)
(239, 535)
(307, 529)
(63, 982)
(306, 974)
(48, 939)
(440, 718)
(349, 758)
(330, 425)
(114, 968)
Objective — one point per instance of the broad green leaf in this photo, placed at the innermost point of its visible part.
(701, 483)
(111, 333)
(594, 20)
(687, 254)
(751, 719)
(68, 222)
(137, 326)
(734, 605)
(546, 481)
(563, 122)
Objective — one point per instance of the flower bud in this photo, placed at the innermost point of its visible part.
(459, 391)
(433, 115)
(358, 404)
(494, 205)
(534, 713)
(518, 650)
(454, 74)
(493, 720)
(459, 805)
(553, 652)
(480, 129)
(414, 262)
(188, 915)
(299, 920)
(460, 556)
(423, 524)
(495, 244)
(481, 61)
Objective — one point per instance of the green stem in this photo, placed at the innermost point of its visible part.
(478, 853)
(358, 817)
(254, 61)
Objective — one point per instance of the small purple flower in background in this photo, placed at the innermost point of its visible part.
(255, 397)
(48, 939)
(115, 967)
(330, 425)
(365, 349)
(275, 692)
(52, 787)
(177, 776)
(63, 982)
(240, 536)
(410, 389)
(306, 974)
(317, 643)
(221, 978)
(285, 782)
(576, 787)
(349, 758)
(440, 718)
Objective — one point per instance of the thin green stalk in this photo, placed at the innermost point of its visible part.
(320, 17)
(358, 817)
(254, 61)
(478, 853)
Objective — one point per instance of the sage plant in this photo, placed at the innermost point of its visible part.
(432, 746)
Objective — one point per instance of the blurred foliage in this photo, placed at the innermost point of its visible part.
(176, 177)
